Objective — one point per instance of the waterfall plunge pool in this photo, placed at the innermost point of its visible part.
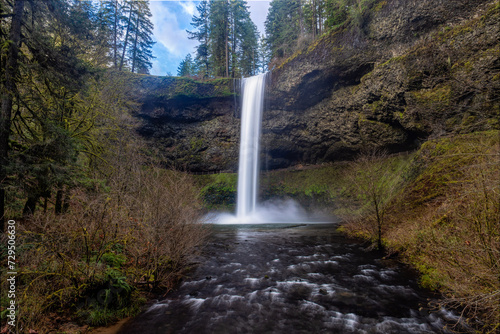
(292, 278)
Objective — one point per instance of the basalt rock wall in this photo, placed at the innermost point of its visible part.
(414, 69)
(191, 125)
(409, 71)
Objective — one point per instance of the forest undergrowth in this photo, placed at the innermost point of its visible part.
(117, 244)
(441, 214)
(118, 230)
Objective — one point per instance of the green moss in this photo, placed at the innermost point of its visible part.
(437, 96)
(218, 191)
(196, 144)
(399, 59)
(430, 277)
(444, 160)
(449, 34)
(376, 106)
(379, 6)
(184, 87)
(394, 60)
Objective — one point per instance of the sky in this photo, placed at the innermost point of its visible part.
(171, 19)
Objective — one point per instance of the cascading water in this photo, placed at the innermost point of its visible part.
(248, 173)
(248, 210)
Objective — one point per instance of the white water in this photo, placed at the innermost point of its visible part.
(248, 173)
(248, 210)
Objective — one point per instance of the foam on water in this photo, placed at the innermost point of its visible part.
(293, 287)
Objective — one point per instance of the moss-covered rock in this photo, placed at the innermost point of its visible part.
(192, 125)
(415, 71)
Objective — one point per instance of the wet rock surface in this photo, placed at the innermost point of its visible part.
(292, 279)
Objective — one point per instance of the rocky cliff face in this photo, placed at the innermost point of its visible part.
(193, 125)
(413, 69)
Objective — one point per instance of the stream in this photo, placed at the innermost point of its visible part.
(284, 278)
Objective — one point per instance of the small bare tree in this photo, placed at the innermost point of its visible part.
(374, 185)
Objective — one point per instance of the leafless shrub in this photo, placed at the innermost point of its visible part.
(453, 238)
(171, 229)
(374, 185)
(61, 256)
(140, 229)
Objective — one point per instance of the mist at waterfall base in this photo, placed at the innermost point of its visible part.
(248, 210)
(278, 211)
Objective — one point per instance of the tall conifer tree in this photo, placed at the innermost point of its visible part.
(219, 37)
(140, 51)
(111, 24)
(201, 34)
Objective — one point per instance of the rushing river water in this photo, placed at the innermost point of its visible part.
(292, 279)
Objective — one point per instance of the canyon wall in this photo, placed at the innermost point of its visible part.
(411, 70)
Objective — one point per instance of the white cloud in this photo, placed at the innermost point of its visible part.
(189, 7)
(168, 30)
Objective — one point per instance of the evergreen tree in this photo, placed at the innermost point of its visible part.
(48, 126)
(291, 24)
(90, 26)
(138, 42)
(245, 52)
(128, 12)
(10, 70)
(336, 12)
(186, 67)
(219, 37)
(110, 27)
(283, 27)
(228, 39)
(315, 16)
(264, 55)
(141, 49)
(201, 23)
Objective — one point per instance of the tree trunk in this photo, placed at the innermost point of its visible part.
(30, 206)
(226, 32)
(320, 21)
(65, 206)
(233, 51)
(8, 89)
(58, 206)
(314, 19)
(378, 215)
(115, 36)
(301, 19)
(135, 42)
(227, 47)
(206, 56)
(126, 38)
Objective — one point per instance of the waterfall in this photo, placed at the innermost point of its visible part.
(248, 210)
(248, 171)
